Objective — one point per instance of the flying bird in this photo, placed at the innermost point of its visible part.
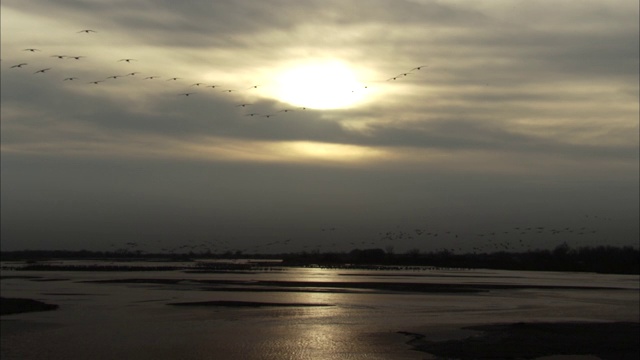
(242, 105)
(31, 49)
(398, 76)
(75, 57)
(418, 67)
(151, 77)
(59, 56)
(19, 65)
(173, 78)
(363, 87)
(186, 94)
(70, 78)
(127, 60)
(42, 70)
(87, 31)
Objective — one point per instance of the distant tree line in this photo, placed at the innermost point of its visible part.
(601, 259)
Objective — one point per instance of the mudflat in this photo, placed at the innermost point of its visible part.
(17, 306)
(606, 340)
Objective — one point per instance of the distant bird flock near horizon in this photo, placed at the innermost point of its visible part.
(69, 76)
(512, 239)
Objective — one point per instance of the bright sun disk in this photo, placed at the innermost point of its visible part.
(326, 85)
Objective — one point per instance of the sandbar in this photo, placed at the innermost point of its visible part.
(16, 306)
(606, 340)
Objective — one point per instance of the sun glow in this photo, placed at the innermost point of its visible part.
(322, 85)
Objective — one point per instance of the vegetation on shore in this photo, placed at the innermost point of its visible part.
(601, 259)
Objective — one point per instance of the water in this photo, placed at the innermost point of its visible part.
(133, 321)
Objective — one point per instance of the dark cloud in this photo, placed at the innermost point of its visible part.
(194, 21)
(464, 135)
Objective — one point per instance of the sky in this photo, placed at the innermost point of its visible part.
(319, 125)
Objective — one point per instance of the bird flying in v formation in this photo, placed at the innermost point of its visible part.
(236, 90)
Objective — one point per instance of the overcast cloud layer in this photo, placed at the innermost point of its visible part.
(525, 115)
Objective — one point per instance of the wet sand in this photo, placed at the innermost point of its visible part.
(606, 341)
(339, 286)
(18, 306)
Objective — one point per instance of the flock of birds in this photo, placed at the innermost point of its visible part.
(333, 239)
(190, 89)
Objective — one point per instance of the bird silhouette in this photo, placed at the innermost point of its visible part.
(127, 60)
(42, 70)
(87, 31)
(398, 76)
(31, 50)
(19, 65)
(363, 87)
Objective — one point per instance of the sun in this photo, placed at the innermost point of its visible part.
(320, 85)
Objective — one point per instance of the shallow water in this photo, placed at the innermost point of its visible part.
(133, 321)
